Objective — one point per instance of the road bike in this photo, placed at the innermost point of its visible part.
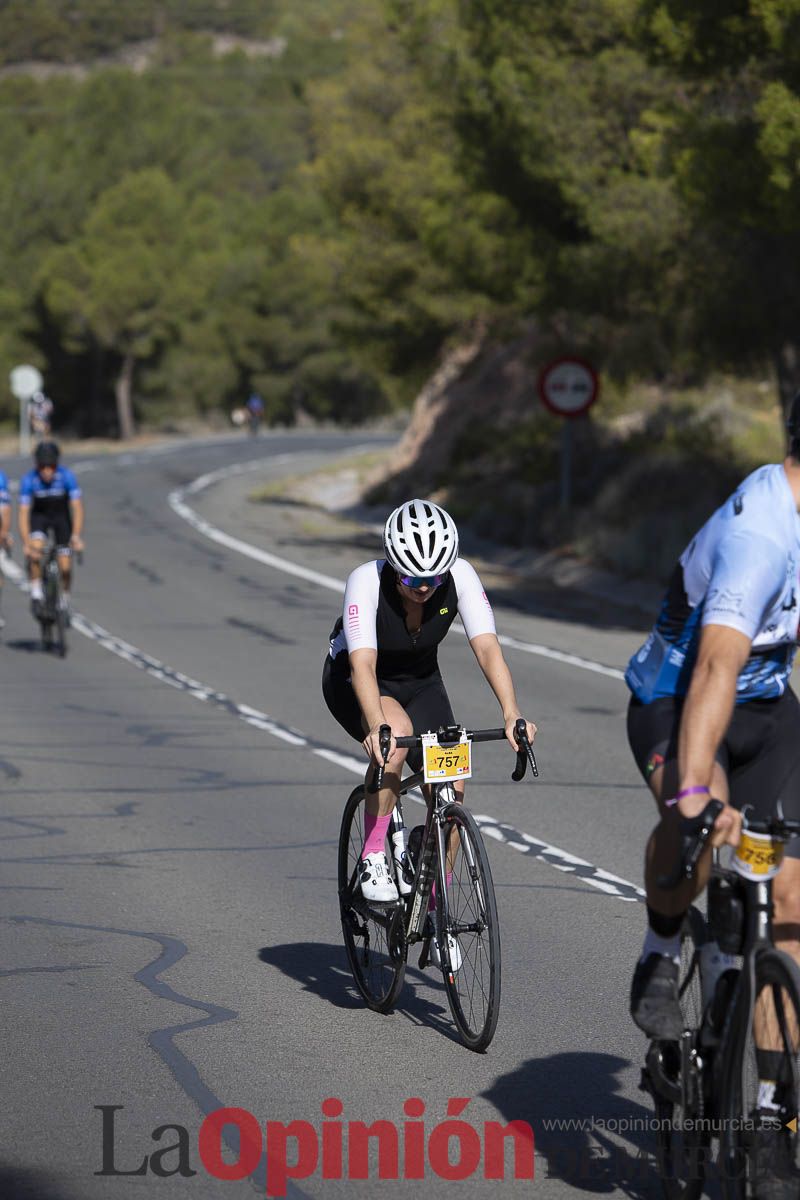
(53, 616)
(445, 869)
(740, 1003)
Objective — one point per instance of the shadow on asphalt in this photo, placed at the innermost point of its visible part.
(323, 969)
(27, 645)
(594, 1138)
(19, 1184)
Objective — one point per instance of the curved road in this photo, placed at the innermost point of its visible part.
(171, 794)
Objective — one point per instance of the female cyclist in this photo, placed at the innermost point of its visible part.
(382, 668)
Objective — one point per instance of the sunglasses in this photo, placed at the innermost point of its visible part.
(418, 581)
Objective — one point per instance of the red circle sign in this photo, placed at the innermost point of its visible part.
(568, 387)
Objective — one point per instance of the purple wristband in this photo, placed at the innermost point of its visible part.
(691, 791)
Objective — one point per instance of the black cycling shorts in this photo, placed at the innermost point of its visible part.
(760, 753)
(425, 700)
(59, 522)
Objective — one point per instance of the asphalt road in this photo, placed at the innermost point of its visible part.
(169, 932)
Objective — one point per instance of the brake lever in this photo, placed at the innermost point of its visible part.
(525, 753)
(695, 833)
(385, 737)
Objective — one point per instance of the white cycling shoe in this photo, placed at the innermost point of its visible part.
(377, 878)
(455, 953)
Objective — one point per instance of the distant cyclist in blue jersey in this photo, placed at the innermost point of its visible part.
(5, 524)
(255, 411)
(50, 498)
(712, 715)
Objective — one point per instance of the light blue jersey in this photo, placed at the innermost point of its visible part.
(741, 570)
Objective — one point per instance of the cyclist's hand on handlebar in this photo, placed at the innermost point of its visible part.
(510, 728)
(728, 825)
(77, 543)
(372, 745)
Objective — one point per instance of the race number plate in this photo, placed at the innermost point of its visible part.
(757, 857)
(445, 762)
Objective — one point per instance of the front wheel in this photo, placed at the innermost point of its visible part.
(674, 1078)
(60, 633)
(374, 936)
(468, 931)
(760, 1085)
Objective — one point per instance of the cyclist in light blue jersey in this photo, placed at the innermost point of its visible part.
(712, 713)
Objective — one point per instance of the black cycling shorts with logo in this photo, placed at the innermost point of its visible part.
(425, 701)
(59, 522)
(760, 752)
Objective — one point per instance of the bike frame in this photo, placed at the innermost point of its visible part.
(695, 1045)
(433, 845)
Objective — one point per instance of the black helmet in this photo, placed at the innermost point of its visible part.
(47, 454)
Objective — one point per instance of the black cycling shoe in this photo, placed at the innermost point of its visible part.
(654, 998)
(773, 1173)
(37, 608)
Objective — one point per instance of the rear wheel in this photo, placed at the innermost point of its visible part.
(471, 960)
(374, 934)
(759, 1146)
(675, 1081)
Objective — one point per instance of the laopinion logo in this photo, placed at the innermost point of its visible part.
(452, 1149)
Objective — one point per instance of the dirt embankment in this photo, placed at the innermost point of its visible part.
(643, 479)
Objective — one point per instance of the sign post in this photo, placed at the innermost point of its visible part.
(568, 387)
(25, 380)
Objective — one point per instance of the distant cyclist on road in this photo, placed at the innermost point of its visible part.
(382, 668)
(255, 412)
(5, 525)
(712, 715)
(50, 498)
(40, 414)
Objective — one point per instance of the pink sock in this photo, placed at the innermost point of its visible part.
(374, 833)
(432, 901)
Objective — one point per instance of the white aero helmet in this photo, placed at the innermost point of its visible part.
(420, 538)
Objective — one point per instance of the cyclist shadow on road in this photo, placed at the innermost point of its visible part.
(27, 645)
(324, 970)
(593, 1138)
(23, 1184)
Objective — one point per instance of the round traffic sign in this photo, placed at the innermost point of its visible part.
(25, 380)
(568, 386)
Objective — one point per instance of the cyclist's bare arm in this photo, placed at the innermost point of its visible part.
(363, 675)
(489, 654)
(24, 522)
(76, 509)
(5, 526)
(706, 715)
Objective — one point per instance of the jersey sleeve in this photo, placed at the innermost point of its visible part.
(747, 578)
(5, 495)
(25, 489)
(361, 607)
(473, 604)
(71, 484)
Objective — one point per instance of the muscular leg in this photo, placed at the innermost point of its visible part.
(663, 846)
(655, 1005)
(35, 559)
(786, 896)
(382, 803)
(65, 567)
